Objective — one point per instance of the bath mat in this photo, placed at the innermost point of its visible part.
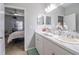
(32, 52)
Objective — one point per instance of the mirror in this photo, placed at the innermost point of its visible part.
(70, 21)
(48, 20)
(69, 12)
(44, 20)
(40, 20)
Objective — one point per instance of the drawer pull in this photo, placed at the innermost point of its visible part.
(53, 53)
(38, 39)
(1, 37)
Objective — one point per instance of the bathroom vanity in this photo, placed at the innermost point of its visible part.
(50, 45)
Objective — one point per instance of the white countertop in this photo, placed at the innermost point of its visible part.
(72, 48)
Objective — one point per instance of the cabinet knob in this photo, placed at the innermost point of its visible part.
(38, 39)
(53, 53)
(1, 37)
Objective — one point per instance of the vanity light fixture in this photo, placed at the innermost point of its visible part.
(52, 7)
(40, 15)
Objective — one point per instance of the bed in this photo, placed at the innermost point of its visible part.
(14, 35)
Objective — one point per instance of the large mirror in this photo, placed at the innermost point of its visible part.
(68, 12)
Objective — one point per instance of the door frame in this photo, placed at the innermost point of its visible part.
(24, 9)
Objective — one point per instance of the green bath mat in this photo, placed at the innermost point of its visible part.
(32, 52)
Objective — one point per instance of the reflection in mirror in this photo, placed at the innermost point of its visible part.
(40, 20)
(44, 20)
(70, 20)
(70, 13)
(60, 18)
(61, 24)
(48, 20)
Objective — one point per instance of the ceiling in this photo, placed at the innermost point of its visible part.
(14, 12)
(11, 11)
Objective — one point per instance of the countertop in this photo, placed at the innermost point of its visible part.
(72, 48)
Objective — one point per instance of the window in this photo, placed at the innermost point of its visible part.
(19, 25)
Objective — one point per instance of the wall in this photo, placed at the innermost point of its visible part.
(54, 15)
(31, 13)
(73, 8)
(2, 39)
(34, 10)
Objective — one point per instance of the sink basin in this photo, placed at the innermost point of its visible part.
(70, 40)
(63, 39)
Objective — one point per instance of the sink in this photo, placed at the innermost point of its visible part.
(62, 39)
(70, 40)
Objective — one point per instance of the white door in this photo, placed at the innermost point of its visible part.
(2, 41)
(70, 21)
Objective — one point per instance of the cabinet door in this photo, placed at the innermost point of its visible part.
(39, 44)
(60, 51)
(47, 48)
(51, 48)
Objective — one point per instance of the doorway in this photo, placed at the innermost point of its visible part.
(14, 31)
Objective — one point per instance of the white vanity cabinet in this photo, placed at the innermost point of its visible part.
(47, 47)
(50, 48)
(39, 44)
